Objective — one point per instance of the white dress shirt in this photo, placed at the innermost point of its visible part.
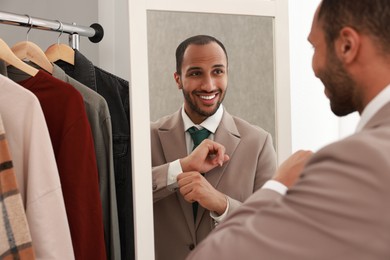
(373, 107)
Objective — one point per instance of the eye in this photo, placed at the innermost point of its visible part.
(219, 71)
(193, 73)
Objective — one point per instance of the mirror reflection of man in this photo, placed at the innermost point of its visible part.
(338, 207)
(191, 195)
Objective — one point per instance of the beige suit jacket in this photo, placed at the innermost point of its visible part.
(252, 162)
(338, 210)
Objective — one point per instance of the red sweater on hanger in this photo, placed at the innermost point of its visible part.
(73, 146)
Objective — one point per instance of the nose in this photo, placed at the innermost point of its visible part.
(207, 83)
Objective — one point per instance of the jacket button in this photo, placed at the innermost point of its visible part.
(154, 186)
(191, 247)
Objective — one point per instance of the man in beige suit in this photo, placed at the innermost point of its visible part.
(188, 205)
(339, 205)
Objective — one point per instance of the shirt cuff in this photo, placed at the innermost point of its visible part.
(174, 169)
(219, 218)
(275, 186)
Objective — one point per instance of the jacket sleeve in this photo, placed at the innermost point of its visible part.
(159, 179)
(334, 211)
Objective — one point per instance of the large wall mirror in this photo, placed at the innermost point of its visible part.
(255, 33)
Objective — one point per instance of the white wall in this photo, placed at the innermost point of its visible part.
(313, 123)
(114, 49)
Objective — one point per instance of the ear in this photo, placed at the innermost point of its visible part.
(347, 45)
(177, 78)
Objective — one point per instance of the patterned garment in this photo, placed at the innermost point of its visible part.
(15, 238)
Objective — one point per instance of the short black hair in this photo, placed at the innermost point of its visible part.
(196, 40)
(369, 17)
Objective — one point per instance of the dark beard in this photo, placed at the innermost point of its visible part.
(342, 88)
(197, 109)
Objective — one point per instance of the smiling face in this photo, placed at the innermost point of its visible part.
(203, 80)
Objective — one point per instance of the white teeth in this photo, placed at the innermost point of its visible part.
(207, 97)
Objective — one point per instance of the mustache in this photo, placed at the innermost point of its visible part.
(218, 91)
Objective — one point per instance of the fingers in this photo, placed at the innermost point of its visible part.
(194, 187)
(302, 155)
(189, 185)
(216, 152)
(186, 178)
(220, 150)
(205, 157)
(299, 159)
(291, 169)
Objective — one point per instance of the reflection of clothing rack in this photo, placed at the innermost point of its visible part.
(95, 32)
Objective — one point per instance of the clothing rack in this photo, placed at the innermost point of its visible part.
(94, 32)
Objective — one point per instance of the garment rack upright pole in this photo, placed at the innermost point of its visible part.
(95, 32)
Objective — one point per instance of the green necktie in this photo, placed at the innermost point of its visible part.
(197, 135)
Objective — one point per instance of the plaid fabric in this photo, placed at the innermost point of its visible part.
(15, 238)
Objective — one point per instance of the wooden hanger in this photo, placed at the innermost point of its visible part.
(29, 51)
(60, 51)
(9, 57)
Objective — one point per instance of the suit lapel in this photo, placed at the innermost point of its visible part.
(172, 138)
(228, 135)
(173, 143)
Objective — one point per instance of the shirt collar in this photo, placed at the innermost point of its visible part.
(211, 123)
(373, 107)
(84, 70)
